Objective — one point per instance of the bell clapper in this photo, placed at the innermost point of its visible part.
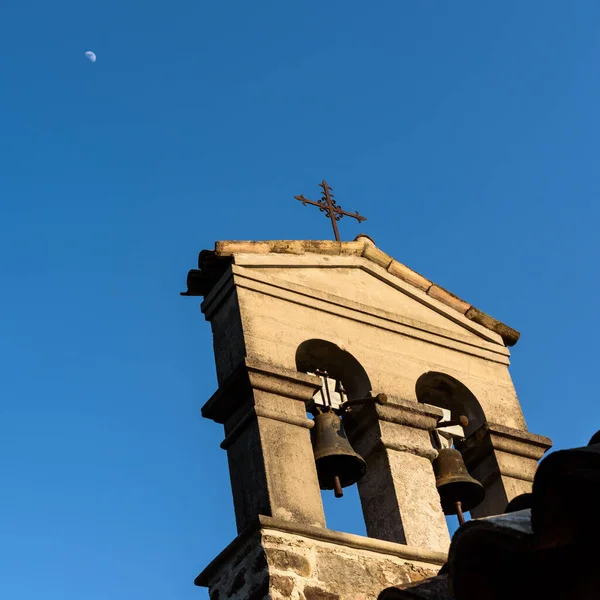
(337, 487)
(459, 513)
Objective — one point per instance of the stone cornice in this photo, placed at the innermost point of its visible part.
(256, 375)
(507, 439)
(400, 412)
(375, 428)
(265, 413)
(505, 444)
(518, 442)
(265, 524)
(410, 413)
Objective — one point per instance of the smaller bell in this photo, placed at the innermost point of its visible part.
(338, 466)
(457, 489)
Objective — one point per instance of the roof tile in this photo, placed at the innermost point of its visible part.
(449, 299)
(379, 257)
(403, 272)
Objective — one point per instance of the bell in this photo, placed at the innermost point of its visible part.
(338, 466)
(457, 489)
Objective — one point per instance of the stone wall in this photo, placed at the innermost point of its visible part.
(282, 565)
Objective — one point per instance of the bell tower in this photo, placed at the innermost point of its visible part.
(337, 364)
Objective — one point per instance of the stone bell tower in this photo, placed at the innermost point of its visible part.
(283, 311)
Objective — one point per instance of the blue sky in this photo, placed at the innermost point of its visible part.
(466, 132)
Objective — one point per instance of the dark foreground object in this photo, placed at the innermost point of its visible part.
(548, 551)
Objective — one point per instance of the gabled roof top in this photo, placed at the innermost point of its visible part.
(211, 267)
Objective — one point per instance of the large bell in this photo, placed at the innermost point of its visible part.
(338, 466)
(457, 489)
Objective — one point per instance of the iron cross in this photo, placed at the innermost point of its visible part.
(328, 205)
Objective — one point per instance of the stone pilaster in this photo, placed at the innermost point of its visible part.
(505, 461)
(398, 495)
(267, 438)
(282, 560)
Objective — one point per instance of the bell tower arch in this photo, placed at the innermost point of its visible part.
(321, 355)
(282, 313)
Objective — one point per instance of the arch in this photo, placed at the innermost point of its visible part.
(447, 392)
(340, 364)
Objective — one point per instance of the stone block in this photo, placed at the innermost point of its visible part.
(312, 592)
(340, 569)
(286, 560)
(283, 584)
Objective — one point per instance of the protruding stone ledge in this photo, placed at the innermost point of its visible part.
(506, 439)
(258, 411)
(400, 412)
(252, 375)
(410, 413)
(398, 425)
(351, 540)
(264, 524)
(524, 472)
(518, 442)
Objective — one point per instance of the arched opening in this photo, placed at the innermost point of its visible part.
(346, 375)
(321, 355)
(444, 391)
(448, 393)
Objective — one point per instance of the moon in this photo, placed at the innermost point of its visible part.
(90, 56)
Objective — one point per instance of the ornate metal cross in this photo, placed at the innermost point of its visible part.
(329, 206)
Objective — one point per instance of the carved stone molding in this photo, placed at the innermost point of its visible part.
(251, 375)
